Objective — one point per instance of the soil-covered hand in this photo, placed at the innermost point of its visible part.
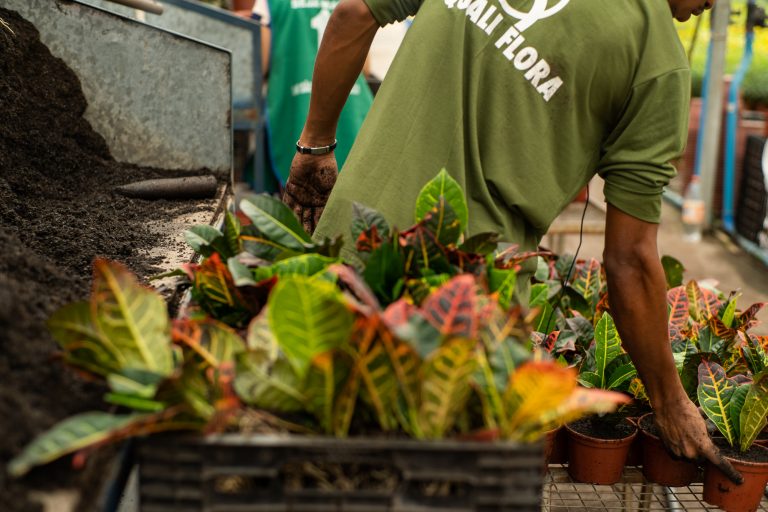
(309, 185)
(685, 435)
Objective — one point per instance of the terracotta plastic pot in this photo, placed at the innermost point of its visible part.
(597, 461)
(721, 492)
(658, 465)
(635, 456)
(556, 446)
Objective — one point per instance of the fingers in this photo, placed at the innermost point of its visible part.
(713, 455)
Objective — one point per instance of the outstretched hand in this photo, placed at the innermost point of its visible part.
(309, 186)
(684, 433)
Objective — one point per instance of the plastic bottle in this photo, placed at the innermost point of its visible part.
(693, 212)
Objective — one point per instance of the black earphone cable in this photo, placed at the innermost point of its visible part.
(564, 281)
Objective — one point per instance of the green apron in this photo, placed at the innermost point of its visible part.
(297, 28)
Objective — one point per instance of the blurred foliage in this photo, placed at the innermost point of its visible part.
(755, 87)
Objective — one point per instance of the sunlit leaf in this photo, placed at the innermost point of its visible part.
(206, 240)
(446, 386)
(276, 221)
(715, 391)
(69, 436)
(442, 185)
(274, 387)
(607, 347)
(673, 271)
(302, 265)
(134, 319)
(752, 419)
(308, 318)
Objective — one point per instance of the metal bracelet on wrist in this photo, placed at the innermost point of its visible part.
(320, 150)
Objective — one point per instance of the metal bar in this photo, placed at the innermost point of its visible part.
(144, 5)
(714, 107)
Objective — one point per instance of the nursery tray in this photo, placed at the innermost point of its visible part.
(255, 473)
(632, 493)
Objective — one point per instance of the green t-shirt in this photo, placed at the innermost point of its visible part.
(522, 101)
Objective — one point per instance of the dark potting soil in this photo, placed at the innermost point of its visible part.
(647, 424)
(754, 454)
(57, 213)
(603, 429)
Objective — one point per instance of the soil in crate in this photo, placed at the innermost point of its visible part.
(57, 213)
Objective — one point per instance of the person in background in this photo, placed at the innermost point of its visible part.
(523, 102)
(291, 34)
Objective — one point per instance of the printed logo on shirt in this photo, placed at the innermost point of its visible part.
(512, 43)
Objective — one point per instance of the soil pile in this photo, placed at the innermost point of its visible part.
(57, 213)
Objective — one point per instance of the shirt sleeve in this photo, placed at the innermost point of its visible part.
(651, 132)
(261, 10)
(391, 11)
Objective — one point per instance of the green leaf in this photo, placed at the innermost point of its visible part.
(729, 313)
(308, 317)
(327, 374)
(138, 383)
(607, 346)
(504, 282)
(205, 240)
(673, 271)
(482, 243)
(715, 392)
(385, 268)
(363, 218)
(272, 387)
(303, 265)
(621, 375)
(689, 375)
(232, 234)
(754, 354)
(69, 436)
(543, 321)
(134, 402)
(260, 339)
(735, 405)
(710, 342)
(443, 185)
(134, 319)
(241, 274)
(441, 220)
(542, 269)
(589, 379)
(539, 295)
(276, 222)
(84, 346)
(752, 419)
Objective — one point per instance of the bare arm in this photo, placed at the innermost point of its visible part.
(340, 60)
(637, 290)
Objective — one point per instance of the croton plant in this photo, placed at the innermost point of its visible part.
(415, 333)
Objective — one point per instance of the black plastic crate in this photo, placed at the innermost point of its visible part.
(753, 198)
(237, 473)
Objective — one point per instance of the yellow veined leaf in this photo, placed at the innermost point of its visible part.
(714, 393)
(446, 386)
(752, 419)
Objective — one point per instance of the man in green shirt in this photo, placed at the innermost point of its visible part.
(522, 101)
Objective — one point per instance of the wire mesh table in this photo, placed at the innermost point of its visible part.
(633, 493)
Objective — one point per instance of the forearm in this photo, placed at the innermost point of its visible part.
(637, 291)
(342, 53)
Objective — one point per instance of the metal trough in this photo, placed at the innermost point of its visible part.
(242, 37)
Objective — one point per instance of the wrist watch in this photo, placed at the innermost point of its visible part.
(320, 150)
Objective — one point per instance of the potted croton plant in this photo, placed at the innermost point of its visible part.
(419, 339)
(738, 407)
(599, 445)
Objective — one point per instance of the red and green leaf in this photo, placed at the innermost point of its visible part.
(452, 309)
(679, 311)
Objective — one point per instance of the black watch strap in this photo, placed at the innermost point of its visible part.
(321, 150)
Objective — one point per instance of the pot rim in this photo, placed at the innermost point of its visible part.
(606, 441)
(642, 430)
